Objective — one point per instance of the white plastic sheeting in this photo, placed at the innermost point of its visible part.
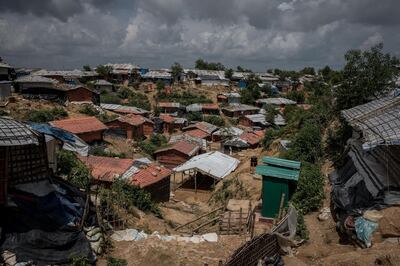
(135, 235)
(214, 164)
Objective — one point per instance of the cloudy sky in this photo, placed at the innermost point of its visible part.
(258, 34)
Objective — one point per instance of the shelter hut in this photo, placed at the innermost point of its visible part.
(176, 154)
(279, 178)
(206, 169)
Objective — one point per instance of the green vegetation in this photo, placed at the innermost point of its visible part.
(99, 151)
(116, 262)
(86, 68)
(135, 99)
(73, 169)
(104, 71)
(160, 86)
(194, 116)
(241, 69)
(46, 115)
(155, 142)
(88, 110)
(126, 195)
(185, 98)
(366, 75)
(80, 261)
(215, 120)
(176, 70)
(297, 96)
(228, 73)
(301, 229)
(252, 92)
(231, 189)
(201, 64)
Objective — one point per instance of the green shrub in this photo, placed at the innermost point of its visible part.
(306, 145)
(215, 120)
(126, 195)
(155, 142)
(46, 115)
(73, 169)
(185, 98)
(110, 98)
(309, 193)
(116, 262)
(301, 229)
(88, 110)
(194, 116)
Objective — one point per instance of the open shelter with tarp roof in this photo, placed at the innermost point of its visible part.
(214, 165)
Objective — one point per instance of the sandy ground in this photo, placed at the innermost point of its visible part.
(157, 252)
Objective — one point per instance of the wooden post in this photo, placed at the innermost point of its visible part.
(195, 182)
(253, 224)
(174, 182)
(240, 222)
(229, 222)
(281, 206)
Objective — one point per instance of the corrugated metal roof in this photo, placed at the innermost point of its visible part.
(203, 126)
(183, 146)
(240, 107)
(276, 101)
(237, 142)
(80, 124)
(170, 104)
(198, 141)
(106, 168)
(251, 138)
(35, 79)
(281, 162)
(214, 164)
(154, 74)
(228, 131)
(13, 133)
(197, 133)
(149, 175)
(123, 108)
(378, 120)
(257, 118)
(278, 172)
(279, 120)
(102, 82)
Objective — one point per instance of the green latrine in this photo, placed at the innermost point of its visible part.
(279, 181)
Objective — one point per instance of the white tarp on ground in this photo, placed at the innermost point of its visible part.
(214, 164)
(135, 235)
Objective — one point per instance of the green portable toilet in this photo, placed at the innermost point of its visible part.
(279, 177)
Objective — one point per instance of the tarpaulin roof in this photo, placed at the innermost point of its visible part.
(214, 164)
(276, 101)
(228, 131)
(123, 108)
(14, 133)
(379, 121)
(70, 141)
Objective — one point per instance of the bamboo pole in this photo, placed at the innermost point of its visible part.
(240, 222)
(229, 222)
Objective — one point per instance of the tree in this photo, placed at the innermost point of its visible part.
(325, 72)
(87, 68)
(241, 69)
(204, 65)
(104, 71)
(366, 75)
(229, 73)
(252, 91)
(160, 85)
(308, 71)
(176, 69)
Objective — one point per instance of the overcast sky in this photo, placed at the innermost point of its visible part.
(257, 34)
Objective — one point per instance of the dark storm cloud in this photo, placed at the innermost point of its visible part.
(255, 33)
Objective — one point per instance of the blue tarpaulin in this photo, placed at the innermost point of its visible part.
(71, 142)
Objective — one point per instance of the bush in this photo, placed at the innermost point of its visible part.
(306, 145)
(73, 169)
(126, 195)
(215, 120)
(185, 98)
(116, 262)
(310, 189)
(155, 142)
(42, 116)
(301, 229)
(194, 116)
(88, 110)
(110, 98)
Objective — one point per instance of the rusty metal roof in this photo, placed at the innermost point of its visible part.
(80, 124)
